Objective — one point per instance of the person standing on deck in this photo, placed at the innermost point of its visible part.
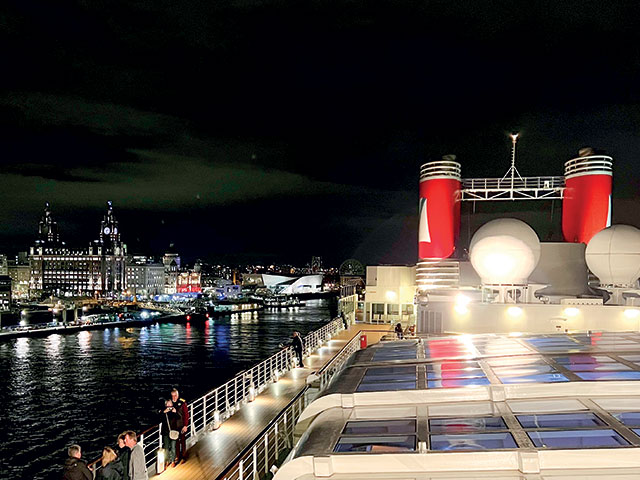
(75, 468)
(298, 347)
(181, 407)
(137, 462)
(171, 420)
(124, 455)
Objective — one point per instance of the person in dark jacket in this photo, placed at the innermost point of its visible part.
(398, 330)
(181, 407)
(111, 468)
(171, 419)
(124, 454)
(75, 468)
(298, 347)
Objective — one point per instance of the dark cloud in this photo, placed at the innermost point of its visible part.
(284, 129)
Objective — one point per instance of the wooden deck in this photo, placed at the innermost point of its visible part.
(215, 450)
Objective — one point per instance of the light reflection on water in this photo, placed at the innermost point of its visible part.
(87, 387)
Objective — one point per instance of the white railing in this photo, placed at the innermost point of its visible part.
(337, 363)
(209, 411)
(441, 168)
(589, 164)
(270, 447)
(526, 183)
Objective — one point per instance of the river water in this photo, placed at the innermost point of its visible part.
(87, 387)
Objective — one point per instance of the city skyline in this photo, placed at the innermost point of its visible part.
(274, 131)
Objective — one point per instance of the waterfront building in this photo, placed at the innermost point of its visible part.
(188, 282)
(4, 265)
(171, 262)
(144, 277)
(20, 275)
(56, 269)
(5, 292)
(284, 285)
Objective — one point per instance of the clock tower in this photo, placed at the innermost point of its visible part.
(113, 253)
(109, 232)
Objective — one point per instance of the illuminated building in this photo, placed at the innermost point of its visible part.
(143, 277)
(56, 269)
(171, 262)
(188, 282)
(5, 292)
(20, 275)
(4, 270)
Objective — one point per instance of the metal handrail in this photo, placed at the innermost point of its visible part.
(213, 408)
(591, 163)
(501, 183)
(261, 454)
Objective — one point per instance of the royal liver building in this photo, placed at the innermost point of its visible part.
(56, 269)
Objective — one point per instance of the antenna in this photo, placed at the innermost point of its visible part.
(513, 171)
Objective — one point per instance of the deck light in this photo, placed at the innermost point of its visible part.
(160, 461)
(252, 393)
(631, 313)
(571, 311)
(216, 419)
(514, 311)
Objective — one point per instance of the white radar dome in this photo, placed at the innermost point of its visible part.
(505, 252)
(613, 255)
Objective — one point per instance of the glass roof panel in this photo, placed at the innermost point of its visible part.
(473, 441)
(631, 419)
(538, 378)
(560, 420)
(458, 382)
(576, 438)
(389, 386)
(581, 359)
(597, 376)
(376, 444)
(465, 425)
(380, 427)
(594, 367)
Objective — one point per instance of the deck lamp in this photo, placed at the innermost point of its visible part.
(216, 419)
(160, 461)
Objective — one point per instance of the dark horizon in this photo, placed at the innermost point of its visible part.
(278, 130)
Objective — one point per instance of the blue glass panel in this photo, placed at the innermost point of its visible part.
(628, 418)
(577, 438)
(541, 378)
(466, 425)
(382, 386)
(474, 441)
(560, 420)
(388, 444)
(452, 365)
(523, 370)
(467, 373)
(609, 375)
(583, 359)
(391, 370)
(380, 427)
(457, 382)
(595, 367)
(636, 431)
(389, 378)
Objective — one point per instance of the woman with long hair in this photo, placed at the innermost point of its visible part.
(110, 469)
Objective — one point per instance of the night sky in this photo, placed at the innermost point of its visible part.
(276, 130)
